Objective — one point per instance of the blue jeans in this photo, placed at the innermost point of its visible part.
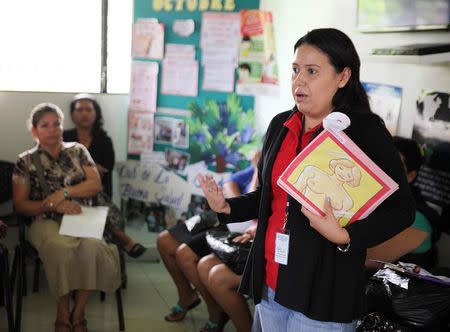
(271, 316)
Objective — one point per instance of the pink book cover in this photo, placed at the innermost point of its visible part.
(333, 166)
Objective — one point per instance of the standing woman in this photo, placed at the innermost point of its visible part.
(51, 180)
(320, 285)
(87, 116)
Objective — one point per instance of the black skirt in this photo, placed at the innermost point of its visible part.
(197, 242)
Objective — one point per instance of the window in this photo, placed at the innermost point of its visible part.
(120, 20)
(55, 46)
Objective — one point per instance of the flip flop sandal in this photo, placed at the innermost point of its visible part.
(211, 327)
(178, 313)
(137, 250)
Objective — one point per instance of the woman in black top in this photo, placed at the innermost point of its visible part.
(87, 116)
(321, 285)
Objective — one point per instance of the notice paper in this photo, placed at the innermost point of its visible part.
(90, 223)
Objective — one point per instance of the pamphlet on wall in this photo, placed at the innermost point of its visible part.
(143, 86)
(140, 132)
(180, 71)
(148, 39)
(333, 166)
(220, 36)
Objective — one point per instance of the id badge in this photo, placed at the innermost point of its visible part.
(282, 247)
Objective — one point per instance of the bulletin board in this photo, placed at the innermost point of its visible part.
(167, 11)
(167, 15)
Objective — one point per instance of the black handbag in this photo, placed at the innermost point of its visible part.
(234, 255)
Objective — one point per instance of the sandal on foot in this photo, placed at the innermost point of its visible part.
(178, 312)
(137, 250)
(62, 326)
(211, 327)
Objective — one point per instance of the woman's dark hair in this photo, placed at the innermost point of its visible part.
(411, 151)
(342, 53)
(40, 110)
(97, 128)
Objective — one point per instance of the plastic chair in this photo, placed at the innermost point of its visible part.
(25, 249)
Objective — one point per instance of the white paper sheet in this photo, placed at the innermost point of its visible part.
(90, 223)
(239, 227)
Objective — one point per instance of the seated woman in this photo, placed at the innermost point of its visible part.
(51, 180)
(181, 250)
(220, 281)
(414, 244)
(87, 116)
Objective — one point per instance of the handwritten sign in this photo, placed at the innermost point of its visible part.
(153, 183)
(194, 169)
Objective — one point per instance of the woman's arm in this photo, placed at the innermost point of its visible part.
(391, 250)
(301, 182)
(88, 188)
(23, 204)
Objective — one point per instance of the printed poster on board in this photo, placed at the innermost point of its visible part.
(257, 67)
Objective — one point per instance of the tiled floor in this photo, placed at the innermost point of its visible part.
(148, 298)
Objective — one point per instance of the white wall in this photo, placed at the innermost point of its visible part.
(15, 108)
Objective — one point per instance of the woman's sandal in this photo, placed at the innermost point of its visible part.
(211, 327)
(178, 312)
(62, 326)
(137, 250)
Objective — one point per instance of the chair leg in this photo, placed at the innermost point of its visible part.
(120, 309)
(102, 296)
(5, 287)
(37, 265)
(7, 290)
(2, 281)
(123, 269)
(23, 277)
(20, 286)
(14, 271)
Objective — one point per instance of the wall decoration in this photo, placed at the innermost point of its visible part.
(432, 130)
(385, 100)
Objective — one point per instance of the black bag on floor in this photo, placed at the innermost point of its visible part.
(424, 305)
(377, 322)
(234, 255)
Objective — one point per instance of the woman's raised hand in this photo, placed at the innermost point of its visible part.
(213, 194)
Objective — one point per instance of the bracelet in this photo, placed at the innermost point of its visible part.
(66, 193)
(343, 247)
